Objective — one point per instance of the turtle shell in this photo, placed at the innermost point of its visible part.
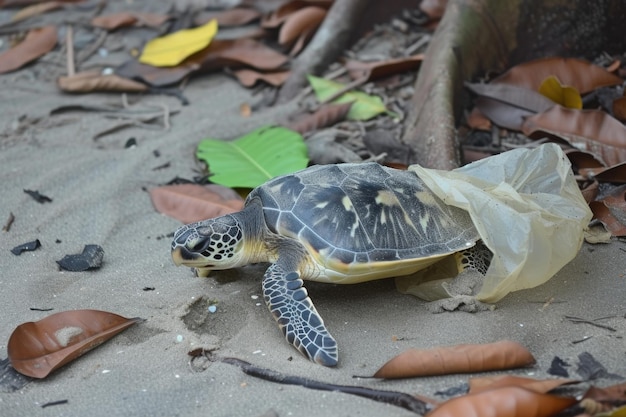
(348, 215)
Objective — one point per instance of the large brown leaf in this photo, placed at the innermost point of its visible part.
(578, 73)
(192, 202)
(541, 386)
(379, 69)
(278, 17)
(456, 359)
(590, 130)
(38, 348)
(37, 43)
(503, 402)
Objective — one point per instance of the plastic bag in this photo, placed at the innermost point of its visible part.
(528, 210)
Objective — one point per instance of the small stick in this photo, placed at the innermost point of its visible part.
(7, 225)
(69, 44)
(575, 319)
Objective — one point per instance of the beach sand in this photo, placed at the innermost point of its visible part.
(98, 188)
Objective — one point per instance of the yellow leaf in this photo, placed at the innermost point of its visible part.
(564, 95)
(172, 49)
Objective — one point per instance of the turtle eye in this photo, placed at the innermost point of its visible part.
(199, 245)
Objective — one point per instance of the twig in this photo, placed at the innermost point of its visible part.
(575, 319)
(399, 399)
(69, 45)
(7, 225)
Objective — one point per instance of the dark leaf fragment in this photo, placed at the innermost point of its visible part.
(590, 369)
(557, 367)
(26, 247)
(10, 379)
(90, 258)
(40, 198)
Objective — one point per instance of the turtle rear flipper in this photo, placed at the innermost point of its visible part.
(297, 317)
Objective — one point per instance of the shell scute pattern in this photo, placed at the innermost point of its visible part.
(358, 213)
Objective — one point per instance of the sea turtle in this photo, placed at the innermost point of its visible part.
(341, 224)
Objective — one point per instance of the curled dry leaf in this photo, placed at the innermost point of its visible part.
(37, 43)
(300, 23)
(456, 359)
(89, 81)
(379, 69)
(327, 115)
(611, 211)
(249, 78)
(278, 17)
(619, 108)
(192, 202)
(615, 173)
(118, 20)
(503, 402)
(541, 386)
(590, 130)
(578, 73)
(583, 160)
(236, 16)
(38, 348)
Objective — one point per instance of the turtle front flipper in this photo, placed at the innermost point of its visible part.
(297, 317)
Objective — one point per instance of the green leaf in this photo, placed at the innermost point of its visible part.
(252, 159)
(365, 106)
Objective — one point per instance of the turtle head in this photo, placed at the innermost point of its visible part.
(211, 244)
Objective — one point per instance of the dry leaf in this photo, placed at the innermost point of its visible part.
(117, 20)
(476, 120)
(615, 173)
(249, 78)
(456, 359)
(619, 108)
(590, 130)
(611, 211)
(541, 386)
(38, 348)
(37, 43)
(380, 69)
(36, 10)
(503, 402)
(278, 17)
(236, 16)
(508, 105)
(190, 203)
(327, 115)
(580, 74)
(89, 81)
(565, 95)
(300, 22)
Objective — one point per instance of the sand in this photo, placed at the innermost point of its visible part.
(98, 188)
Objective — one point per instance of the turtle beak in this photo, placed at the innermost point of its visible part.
(177, 256)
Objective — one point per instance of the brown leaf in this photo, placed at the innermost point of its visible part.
(37, 43)
(477, 120)
(619, 108)
(611, 211)
(249, 78)
(590, 130)
(503, 402)
(615, 173)
(456, 359)
(117, 20)
(326, 115)
(508, 105)
(278, 17)
(578, 73)
(192, 202)
(38, 348)
(90, 81)
(583, 160)
(236, 17)
(381, 69)
(611, 393)
(300, 22)
(541, 386)
(36, 10)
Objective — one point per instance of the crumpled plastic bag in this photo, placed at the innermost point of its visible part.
(528, 210)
